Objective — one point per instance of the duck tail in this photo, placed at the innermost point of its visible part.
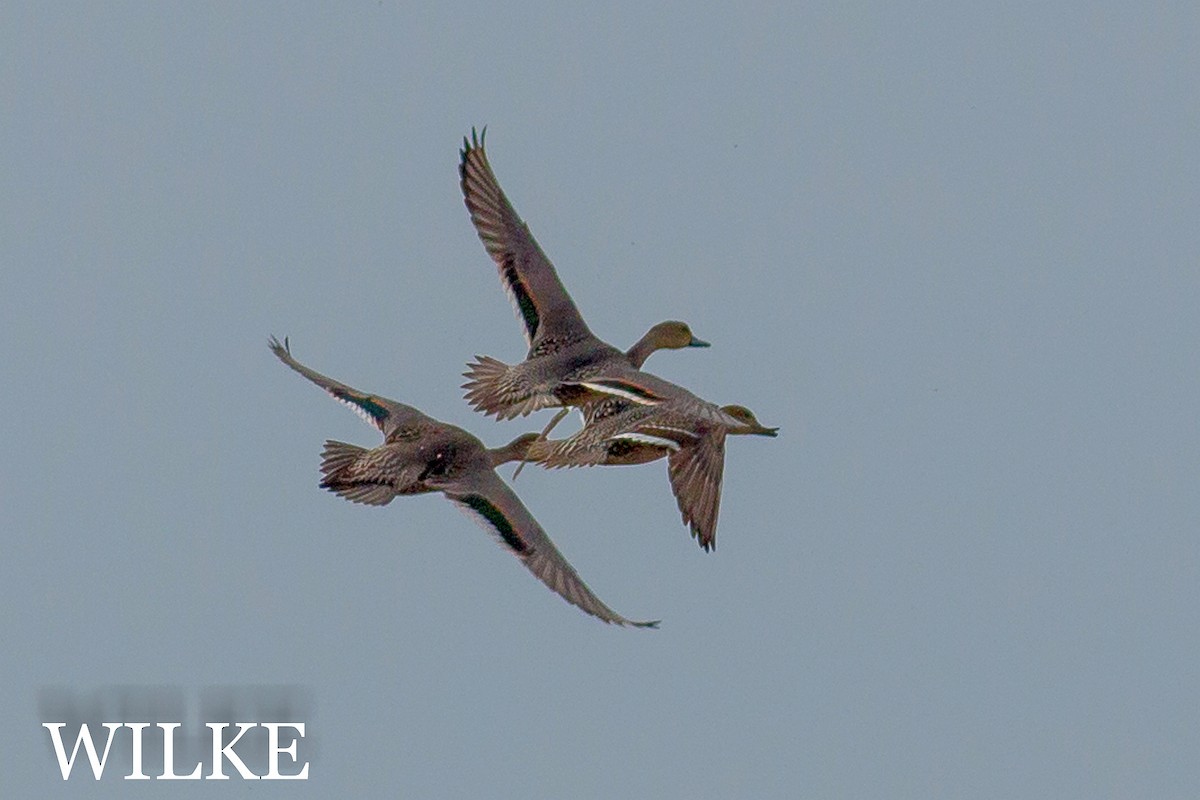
(539, 451)
(562, 453)
(343, 474)
(493, 388)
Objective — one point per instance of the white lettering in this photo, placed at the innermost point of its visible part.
(221, 753)
(137, 774)
(169, 755)
(273, 751)
(66, 764)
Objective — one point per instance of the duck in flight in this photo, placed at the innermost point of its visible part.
(420, 454)
(689, 432)
(566, 365)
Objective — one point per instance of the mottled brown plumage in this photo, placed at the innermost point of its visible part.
(689, 432)
(421, 454)
(566, 365)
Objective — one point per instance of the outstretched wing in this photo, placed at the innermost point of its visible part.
(503, 514)
(380, 412)
(541, 301)
(695, 474)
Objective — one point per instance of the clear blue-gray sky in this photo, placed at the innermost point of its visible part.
(951, 250)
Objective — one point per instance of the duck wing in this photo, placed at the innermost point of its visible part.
(541, 301)
(695, 473)
(494, 505)
(385, 415)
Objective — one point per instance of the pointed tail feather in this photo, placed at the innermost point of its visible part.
(552, 454)
(495, 389)
(342, 475)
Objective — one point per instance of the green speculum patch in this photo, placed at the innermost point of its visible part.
(367, 404)
(497, 520)
(524, 300)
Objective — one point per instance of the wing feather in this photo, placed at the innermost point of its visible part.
(377, 411)
(502, 514)
(532, 284)
(695, 474)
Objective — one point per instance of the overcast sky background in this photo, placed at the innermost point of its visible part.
(951, 250)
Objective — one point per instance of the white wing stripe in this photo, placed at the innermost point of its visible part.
(645, 438)
(357, 409)
(604, 388)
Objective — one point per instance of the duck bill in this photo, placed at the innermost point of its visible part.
(698, 343)
(762, 430)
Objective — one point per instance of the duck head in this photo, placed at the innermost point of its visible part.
(750, 424)
(669, 335)
(674, 335)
